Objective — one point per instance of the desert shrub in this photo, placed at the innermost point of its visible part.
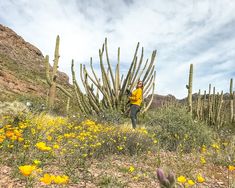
(176, 130)
(12, 108)
(110, 117)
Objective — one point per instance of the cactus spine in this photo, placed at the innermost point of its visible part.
(189, 87)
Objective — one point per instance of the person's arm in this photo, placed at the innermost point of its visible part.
(135, 95)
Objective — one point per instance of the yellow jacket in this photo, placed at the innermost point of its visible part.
(136, 96)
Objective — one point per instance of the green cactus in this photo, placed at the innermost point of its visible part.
(231, 101)
(199, 105)
(189, 87)
(209, 104)
(219, 118)
(110, 86)
(52, 77)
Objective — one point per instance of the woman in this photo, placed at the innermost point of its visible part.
(136, 100)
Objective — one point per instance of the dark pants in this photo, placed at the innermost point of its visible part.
(133, 114)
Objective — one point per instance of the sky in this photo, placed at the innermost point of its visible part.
(201, 32)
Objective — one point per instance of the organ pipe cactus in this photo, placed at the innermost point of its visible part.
(51, 77)
(209, 104)
(231, 100)
(199, 105)
(110, 86)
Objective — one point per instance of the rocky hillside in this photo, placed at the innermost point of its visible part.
(22, 70)
(161, 100)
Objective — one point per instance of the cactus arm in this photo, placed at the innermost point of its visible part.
(151, 100)
(126, 80)
(142, 70)
(78, 92)
(96, 78)
(134, 81)
(150, 65)
(108, 62)
(47, 70)
(56, 59)
(147, 88)
(86, 87)
(63, 90)
(149, 75)
(117, 75)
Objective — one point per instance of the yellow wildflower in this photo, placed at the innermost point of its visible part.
(61, 179)
(231, 168)
(203, 150)
(131, 169)
(191, 182)
(47, 179)
(215, 146)
(203, 160)
(49, 138)
(26, 170)
(200, 179)
(2, 137)
(155, 141)
(56, 146)
(9, 134)
(181, 179)
(120, 148)
(37, 162)
(20, 139)
(42, 146)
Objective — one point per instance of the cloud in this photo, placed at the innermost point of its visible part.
(183, 32)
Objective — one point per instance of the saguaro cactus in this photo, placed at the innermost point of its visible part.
(52, 77)
(189, 87)
(110, 86)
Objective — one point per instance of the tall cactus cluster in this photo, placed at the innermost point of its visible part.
(109, 91)
(211, 106)
(96, 95)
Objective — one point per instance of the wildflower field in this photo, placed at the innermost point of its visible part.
(41, 150)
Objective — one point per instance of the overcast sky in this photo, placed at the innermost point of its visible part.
(201, 32)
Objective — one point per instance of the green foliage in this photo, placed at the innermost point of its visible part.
(110, 181)
(176, 130)
(111, 117)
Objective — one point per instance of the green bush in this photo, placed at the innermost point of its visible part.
(175, 129)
